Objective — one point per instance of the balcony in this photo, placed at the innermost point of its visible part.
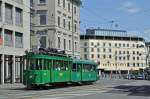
(19, 1)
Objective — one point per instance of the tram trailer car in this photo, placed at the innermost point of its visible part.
(41, 70)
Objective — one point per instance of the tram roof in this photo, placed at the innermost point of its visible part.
(83, 61)
(42, 56)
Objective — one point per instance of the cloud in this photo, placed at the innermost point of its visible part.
(130, 7)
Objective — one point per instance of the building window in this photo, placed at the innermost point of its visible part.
(133, 45)
(8, 14)
(98, 44)
(137, 46)
(120, 58)
(133, 64)
(133, 52)
(116, 58)
(75, 10)
(42, 17)
(123, 45)
(59, 42)
(64, 44)
(104, 44)
(138, 58)
(119, 52)
(109, 44)
(76, 44)
(59, 21)
(92, 56)
(85, 44)
(92, 44)
(110, 50)
(110, 56)
(69, 25)
(43, 41)
(104, 50)
(128, 57)
(119, 44)
(115, 44)
(69, 44)
(124, 58)
(115, 52)
(85, 56)
(42, 1)
(98, 56)
(104, 56)
(75, 27)
(8, 39)
(68, 7)
(85, 49)
(58, 2)
(133, 58)
(18, 40)
(18, 17)
(64, 3)
(98, 50)
(128, 64)
(127, 45)
(124, 52)
(138, 64)
(127, 52)
(64, 23)
(92, 49)
(98, 63)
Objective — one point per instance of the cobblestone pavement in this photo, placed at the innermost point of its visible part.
(103, 89)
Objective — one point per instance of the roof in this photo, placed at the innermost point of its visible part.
(41, 56)
(83, 61)
(132, 38)
(111, 30)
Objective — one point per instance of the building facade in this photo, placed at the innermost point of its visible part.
(114, 53)
(55, 24)
(106, 32)
(148, 54)
(14, 38)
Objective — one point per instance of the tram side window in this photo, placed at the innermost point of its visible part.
(74, 67)
(28, 64)
(32, 64)
(60, 65)
(57, 65)
(38, 64)
(45, 64)
(87, 68)
(78, 67)
(65, 65)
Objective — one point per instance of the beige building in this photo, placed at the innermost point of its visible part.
(55, 24)
(148, 54)
(114, 53)
(14, 38)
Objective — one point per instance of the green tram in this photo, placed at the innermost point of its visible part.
(42, 69)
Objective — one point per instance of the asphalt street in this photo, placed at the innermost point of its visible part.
(102, 89)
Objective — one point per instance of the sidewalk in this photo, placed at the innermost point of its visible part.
(12, 86)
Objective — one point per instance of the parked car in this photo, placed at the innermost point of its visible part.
(129, 76)
(140, 77)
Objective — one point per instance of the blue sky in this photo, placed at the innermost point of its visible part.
(130, 15)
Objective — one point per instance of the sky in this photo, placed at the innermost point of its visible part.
(130, 15)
